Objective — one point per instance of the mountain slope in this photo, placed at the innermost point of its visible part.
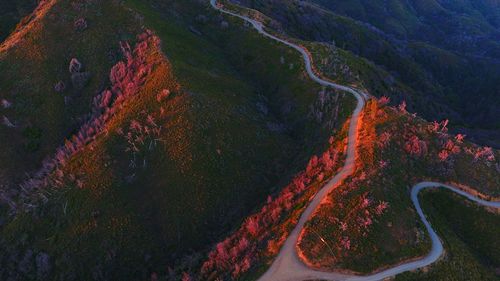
(472, 247)
(445, 54)
(179, 141)
(11, 12)
(367, 220)
(188, 142)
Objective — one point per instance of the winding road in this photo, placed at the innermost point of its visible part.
(287, 266)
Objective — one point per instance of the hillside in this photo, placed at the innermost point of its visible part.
(366, 221)
(166, 140)
(160, 132)
(472, 244)
(11, 13)
(441, 57)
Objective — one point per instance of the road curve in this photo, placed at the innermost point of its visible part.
(287, 266)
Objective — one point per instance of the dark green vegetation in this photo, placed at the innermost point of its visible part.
(237, 125)
(470, 236)
(239, 119)
(442, 57)
(31, 69)
(11, 12)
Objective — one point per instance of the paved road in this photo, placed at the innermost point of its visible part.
(287, 266)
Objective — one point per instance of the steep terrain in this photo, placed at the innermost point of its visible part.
(366, 222)
(173, 135)
(471, 244)
(441, 57)
(443, 160)
(11, 13)
(162, 140)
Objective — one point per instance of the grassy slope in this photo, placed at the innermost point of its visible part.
(396, 234)
(434, 85)
(470, 239)
(31, 70)
(11, 12)
(142, 226)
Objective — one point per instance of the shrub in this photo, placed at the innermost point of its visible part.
(460, 138)
(384, 139)
(443, 155)
(6, 104)
(162, 95)
(186, 277)
(80, 24)
(104, 106)
(8, 123)
(485, 153)
(75, 66)
(415, 146)
(60, 87)
(402, 107)
(384, 100)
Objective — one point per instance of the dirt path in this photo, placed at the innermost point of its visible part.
(287, 266)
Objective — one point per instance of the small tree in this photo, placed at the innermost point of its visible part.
(402, 106)
(384, 100)
(75, 66)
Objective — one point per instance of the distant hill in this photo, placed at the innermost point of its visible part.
(447, 53)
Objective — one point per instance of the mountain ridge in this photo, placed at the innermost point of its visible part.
(226, 130)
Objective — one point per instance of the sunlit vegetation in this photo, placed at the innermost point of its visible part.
(160, 140)
(396, 150)
(11, 13)
(439, 59)
(196, 135)
(261, 235)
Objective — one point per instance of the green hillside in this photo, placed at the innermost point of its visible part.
(163, 140)
(237, 122)
(11, 12)
(369, 221)
(445, 53)
(471, 239)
